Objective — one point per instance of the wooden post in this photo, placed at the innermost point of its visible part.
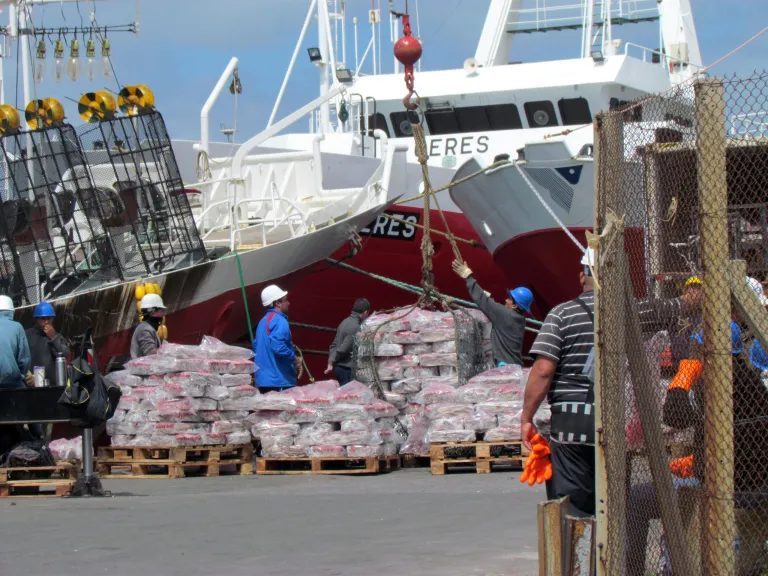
(551, 522)
(719, 524)
(610, 359)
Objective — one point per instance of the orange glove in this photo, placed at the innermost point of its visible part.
(682, 467)
(538, 467)
(687, 375)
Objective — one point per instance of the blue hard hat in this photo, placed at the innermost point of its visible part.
(44, 310)
(522, 297)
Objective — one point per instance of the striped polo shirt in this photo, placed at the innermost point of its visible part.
(568, 337)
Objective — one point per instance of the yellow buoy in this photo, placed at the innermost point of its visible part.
(137, 99)
(140, 292)
(44, 113)
(138, 307)
(97, 106)
(158, 290)
(162, 332)
(10, 121)
(149, 288)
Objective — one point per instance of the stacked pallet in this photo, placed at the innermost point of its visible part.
(483, 457)
(39, 481)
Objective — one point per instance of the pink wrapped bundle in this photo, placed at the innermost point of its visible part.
(413, 408)
(181, 389)
(322, 387)
(404, 337)
(275, 444)
(416, 349)
(421, 373)
(501, 433)
(370, 438)
(449, 423)
(127, 402)
(353, 393)
(217, 392)
(510, 418)
(323, 451)
(399, 401)
(404, 361)
(209, 415)
(241, 367)
(388, 435)
(192, 365)
(170, 428)
(439, 359)
(407, 386)
(341, 412)
(448, 347)
(284, 452)
(474, 393)
(196, 378)
(179, 350)
(214, 439)
(142, 392)
(218, 366)
(121, 428)
(186, 439)
(230, 380)
(177, 408)
(436, 394)
(270, 429)
(448, 371)
(432, 335)
(235, 415)
(434, 411)
(245, 403)
(451, 436)
(506, 392)
(387, 350)
(151, 365)
(315, 400)
(300, 415)
(510, 374)
(426, 319)
(500, 407)
(417, 439)
(121, 440)
(237, 438)
(365, 451)
(242, 391)
(389, 370)
(203, 404)
(275, 401)
(154, 380)
(124, 378)
(263, 416)
(358, 426)
(381, 409)
(213, 348)
(480, 422)
(227, 427)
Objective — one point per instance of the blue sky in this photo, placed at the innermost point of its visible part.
(184, 45)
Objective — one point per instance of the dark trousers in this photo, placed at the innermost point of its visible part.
(343, 374)
(573, 475)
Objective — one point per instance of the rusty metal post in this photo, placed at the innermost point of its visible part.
(719, 523)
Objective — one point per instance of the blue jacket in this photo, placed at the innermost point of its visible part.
(14, 352)
(275, 357)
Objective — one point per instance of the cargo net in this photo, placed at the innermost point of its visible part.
(52, 238)
(137, 177)
(681, 313)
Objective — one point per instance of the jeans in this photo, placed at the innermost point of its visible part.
(343, 374)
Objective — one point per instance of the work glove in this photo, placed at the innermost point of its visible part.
(682, 467)
(538, 467)
(29, 379)
(687, 375)
(461, 269)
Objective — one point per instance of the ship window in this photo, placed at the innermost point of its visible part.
(504, 117)
(473, 119)
(574, 111)
(442, 121)
(540, 114)
(375, 122)
(401, 123)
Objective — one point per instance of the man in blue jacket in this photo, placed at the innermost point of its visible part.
(276, 360)
(14, 349)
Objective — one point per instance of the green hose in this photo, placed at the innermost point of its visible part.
(245, 299)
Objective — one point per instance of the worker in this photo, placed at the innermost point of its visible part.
(680, 337)
(276, 359)
(507, 320)
(14, 349)
(757, 355)
(145, 341)
(564, 371)
(340, 355)
(44, 343)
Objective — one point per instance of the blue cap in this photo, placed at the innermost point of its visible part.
(44, 310)
(737, 346)
(522, 297)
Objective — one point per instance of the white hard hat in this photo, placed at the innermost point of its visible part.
(588, 259)
(271, 294)
(754, 283)
(151, 301)
(6, 304)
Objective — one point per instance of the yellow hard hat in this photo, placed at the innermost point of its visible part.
(693, 281)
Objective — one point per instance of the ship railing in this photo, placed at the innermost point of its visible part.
(647, 54)
(749, 125)
(548, 16)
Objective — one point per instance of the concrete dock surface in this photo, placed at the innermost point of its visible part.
(406, 522)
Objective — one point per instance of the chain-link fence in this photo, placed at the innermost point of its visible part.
(682, 217)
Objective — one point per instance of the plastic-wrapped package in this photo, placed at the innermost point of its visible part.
(542, 418)
(137, 416)
(341, 412)
(381, 409)
(417, 440)
(509, 374)
(434, 335)
(119, 415)
(318, 395)
(214, 348)
(214, 438)
(439, 359)
(501, 433)
(193, 418)
(449, 423)
(480, 422)
(180, 389)
(179, 350)
(322, 386)
(387, 350)
(217, 392)
(446, 371)
(510, 418)
(203, 404)
(170, 428)
(404, 337)
(242, 391)
(209, 415)
(120, 440)
(154, 380)
(404, 361)
(354, 393)
(124, 378)
(300, 415)
(194, 378)
(176, 407)
(237, 438)
(242, 367)
(355, 425)
(417, 349)
(227, 427)
(143, 392)
(234, 415)
(262, 416)
(434, 411)
(448, 347)
(275, 401)
(437, 393)
(187, 439)
(421, 373)
(452, 381)
(121, 428)
(365, 451)
(285, 452)
(156, 439)
(192, 364)
(245, 403)
(474, 393)
(64, 450)
(500, 407)
(127, 402)
(421, 320)
(218, 365)
(506, 392)
(322, 451)
(270, 429)
(231, 380)
(399, 401)
(526, 373)
(389, 370)
(451, 436)
(275, 443)
(412, 408)
(153, 365)
(407, 386)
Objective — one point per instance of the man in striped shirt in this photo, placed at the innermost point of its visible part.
(564, 371)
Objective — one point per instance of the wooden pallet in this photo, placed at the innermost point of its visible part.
(370, 465)
(414, 461)
(173, 462)
(38, 481)
(484, 457)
